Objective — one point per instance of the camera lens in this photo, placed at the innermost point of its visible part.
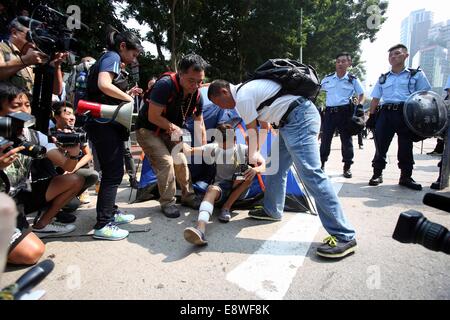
(33, 150)
(413, 227)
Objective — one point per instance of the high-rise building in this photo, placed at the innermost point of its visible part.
(433, 60)
(414, 31)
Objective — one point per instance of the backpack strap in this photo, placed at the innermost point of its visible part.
(351, 78)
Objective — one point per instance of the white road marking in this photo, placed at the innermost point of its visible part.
(270, 270)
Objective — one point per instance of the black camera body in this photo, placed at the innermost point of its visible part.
(414, 227)
(239, 174)
(67, 139)
(11, 129)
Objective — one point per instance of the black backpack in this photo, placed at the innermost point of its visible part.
(294, 77)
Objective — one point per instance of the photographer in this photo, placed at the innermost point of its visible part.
(107, 84)
(51, 191)
(65, 120)
(18, 54)
(173, 99)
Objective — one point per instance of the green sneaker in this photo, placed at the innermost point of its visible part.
(332, 248)
(121, 218)
(110, 232)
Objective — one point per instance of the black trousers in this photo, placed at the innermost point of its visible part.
(389, 123)
(108, 141)
(331, 122)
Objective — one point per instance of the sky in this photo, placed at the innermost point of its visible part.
(375, 54)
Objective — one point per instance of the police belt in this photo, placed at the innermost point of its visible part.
(345, 107)
(292, 106)
(393, 106)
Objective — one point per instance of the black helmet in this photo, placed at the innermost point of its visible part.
(425, 114)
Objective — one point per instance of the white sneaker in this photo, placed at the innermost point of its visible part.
(54, 229)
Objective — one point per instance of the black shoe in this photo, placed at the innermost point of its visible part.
(171, 211)
(322, 167)
(65, 217)
(434, 153)
(260, 214)
(332, 248)
(436, 185)
(376, 180)
(347, 174)
(410, 183)
(361, 147)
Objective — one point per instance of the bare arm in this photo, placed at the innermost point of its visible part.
(155, 116)
(199, 130)
(253, 143)
(105, 85)
(10, 68)
(85, 160)
(60, 160)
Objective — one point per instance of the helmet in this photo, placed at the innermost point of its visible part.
(425, 114)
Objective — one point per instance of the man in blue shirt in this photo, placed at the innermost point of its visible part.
(340, 88)
(393, 89)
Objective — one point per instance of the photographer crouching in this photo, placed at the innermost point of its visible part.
(65, 121)
(51, 192)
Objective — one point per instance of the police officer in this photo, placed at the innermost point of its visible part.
(393, 88)
(340, 88)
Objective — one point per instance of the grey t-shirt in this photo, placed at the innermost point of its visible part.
(227, 160)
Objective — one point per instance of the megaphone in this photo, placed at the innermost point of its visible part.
(122, 113)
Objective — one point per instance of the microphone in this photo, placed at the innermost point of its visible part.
(437, 201)
(32, 277)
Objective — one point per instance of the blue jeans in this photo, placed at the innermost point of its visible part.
(298, 144)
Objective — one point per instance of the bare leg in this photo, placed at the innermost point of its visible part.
(28, 251)
(242, 186)
(211, 196)
(60, 191)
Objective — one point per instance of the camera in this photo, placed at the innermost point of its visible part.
(50, 33)
(414, 227)
(11, 128)
(67, 139)
(239, 175)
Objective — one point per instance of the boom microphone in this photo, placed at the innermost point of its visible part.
(437, 201)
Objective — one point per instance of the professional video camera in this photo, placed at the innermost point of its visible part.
(11, 128)
(65, 139)
(50, 31)
(413, 227)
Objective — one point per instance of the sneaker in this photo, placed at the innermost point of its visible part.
(110, 232)
(121, 217)
(195, 236)
(434, 153)
(260, 214)
(84, 197)
(65, 217)
(171, 211)
(332, 248)
(436, 185)
(361, 147)
(54, 229)
(225, 215)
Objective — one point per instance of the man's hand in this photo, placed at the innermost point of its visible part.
(186, 148)
(250, 174)
(60, 57)
(33, 57)
(135, 91)
(372, 121)
(8, 158)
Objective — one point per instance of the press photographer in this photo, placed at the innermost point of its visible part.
(65, 120)
(47, 189)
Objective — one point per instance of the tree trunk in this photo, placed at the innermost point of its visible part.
(173, 48)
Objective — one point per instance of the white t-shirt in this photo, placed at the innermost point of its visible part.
(43, 139)
(255, 92)
(226, 160)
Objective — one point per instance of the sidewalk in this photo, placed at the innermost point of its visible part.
(155, 262)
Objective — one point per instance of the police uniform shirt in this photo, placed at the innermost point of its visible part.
(340, 90)
(399, 86)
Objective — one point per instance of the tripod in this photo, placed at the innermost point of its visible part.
(42, 96)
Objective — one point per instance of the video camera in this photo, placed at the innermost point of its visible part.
(413, 227)
(239, 174)
(66, 139)
(11, 129)
(49, 31)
